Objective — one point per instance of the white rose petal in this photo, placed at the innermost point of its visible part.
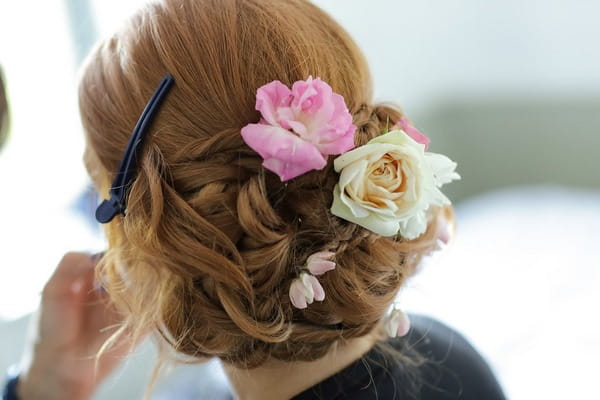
(347, 178)
(372, 222)
(413, 227)
(443, 168)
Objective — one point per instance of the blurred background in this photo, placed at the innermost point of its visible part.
(509, 89)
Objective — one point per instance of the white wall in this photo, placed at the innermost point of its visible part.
(422, 51)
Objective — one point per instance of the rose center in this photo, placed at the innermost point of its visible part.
(308, 103)
(389, 174)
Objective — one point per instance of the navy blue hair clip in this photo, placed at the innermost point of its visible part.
(126, 174)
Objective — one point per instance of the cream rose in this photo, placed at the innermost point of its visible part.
(388, 185)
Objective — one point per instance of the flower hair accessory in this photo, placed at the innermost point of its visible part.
(127, 172)
(306, 288)
(300, 127)
(386, 185)
(397, 323)
(389, 184)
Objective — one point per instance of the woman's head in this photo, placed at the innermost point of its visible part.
(211, 241)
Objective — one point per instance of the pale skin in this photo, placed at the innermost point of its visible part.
(75, 319)
(282, 380)
(73, 322)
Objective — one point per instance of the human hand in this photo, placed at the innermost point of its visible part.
(74, 320)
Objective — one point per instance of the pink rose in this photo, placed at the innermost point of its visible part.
(300, 127)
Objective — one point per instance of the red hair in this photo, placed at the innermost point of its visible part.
(208, 249)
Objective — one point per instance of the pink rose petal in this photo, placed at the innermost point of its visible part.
(283, 152)
(398, 324)
(313, 98)
(297, 294)
(300, 127)
(319, 293)
(321, 255)
(270, 98)
(403, 325)
(443, 231)
(307, 286)
(326, 115)
(297, 127)
(340, 145)
(413, 132)
(320, 267)
(319, 263)
(337, 136)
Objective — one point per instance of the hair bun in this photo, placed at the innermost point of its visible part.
(212, 242)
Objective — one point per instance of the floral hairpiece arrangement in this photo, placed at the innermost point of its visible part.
(386, 185)
(300, 127)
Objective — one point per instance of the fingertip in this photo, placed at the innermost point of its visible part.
(70, 276)
(75, 260)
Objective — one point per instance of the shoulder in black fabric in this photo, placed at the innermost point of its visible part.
(448, 368)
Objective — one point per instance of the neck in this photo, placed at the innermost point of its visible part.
(277, 380)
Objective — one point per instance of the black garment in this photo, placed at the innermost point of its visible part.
(451, 369)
